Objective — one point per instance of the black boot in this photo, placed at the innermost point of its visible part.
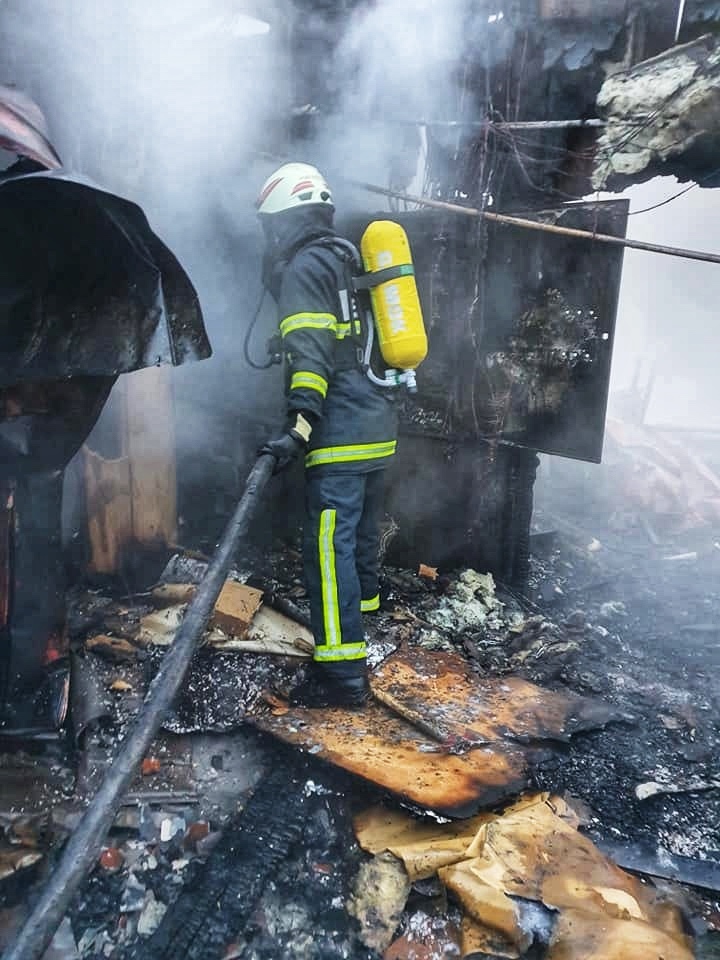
(328, 690)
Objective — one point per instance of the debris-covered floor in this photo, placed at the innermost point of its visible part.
(233, 843)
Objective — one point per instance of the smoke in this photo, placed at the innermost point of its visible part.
(173, 103)
(667, 330)
(399, 61)
(163, 100)
(168, 103)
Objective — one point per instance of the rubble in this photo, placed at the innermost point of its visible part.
(652, 788)
(240, 623)
(114, 649)
(470, 603)
(379, 896)
(14, 861)
(664, 480)
(151, 915)
(509, 656)
(235, 608)
(160, 627)
(427, 937)
(172, 594)
(661, 862)
(428, 573)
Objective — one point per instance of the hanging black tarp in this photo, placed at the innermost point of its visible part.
(86, 287)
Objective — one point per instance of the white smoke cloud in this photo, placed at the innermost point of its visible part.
(167, 102)
(399, 60)
(164, 101)
(667, 315)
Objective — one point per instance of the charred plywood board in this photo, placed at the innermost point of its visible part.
(390, 752)
(467, 709)
(439, 737)
(269, 631)
(273, 633)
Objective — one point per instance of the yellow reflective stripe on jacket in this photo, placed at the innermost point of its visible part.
(310, 381)
(370, 606)
(308, 321)
(350, 453)
(328, 580)
(345, 651)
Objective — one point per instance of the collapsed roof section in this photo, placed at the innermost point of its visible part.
(663, 118)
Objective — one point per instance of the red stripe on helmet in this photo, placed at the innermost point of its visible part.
(303, 185)
(267, 191)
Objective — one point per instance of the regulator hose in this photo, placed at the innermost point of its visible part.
(248, 336)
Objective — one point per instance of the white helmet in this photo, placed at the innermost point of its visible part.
(293, 185)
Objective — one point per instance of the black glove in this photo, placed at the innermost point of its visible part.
(289, 445)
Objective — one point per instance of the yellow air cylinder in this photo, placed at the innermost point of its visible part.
(395, 301)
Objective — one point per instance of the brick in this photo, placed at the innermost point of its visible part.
(111, 859)
(235, 608)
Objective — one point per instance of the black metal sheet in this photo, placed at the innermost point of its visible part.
(521, 327)
(659, 862)
(86, 287)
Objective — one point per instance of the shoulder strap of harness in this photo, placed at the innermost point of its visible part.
(354, 320)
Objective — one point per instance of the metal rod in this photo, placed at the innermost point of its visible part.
(680, 17)
(433, 730)
(526, 224)
(518, 124)
(85, 844)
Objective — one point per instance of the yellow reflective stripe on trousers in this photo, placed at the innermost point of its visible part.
(308, 321)
(370, 606)
(328, 580)
(345, 651)
(350, 453)
(309, 381)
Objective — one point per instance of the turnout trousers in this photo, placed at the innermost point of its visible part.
(343, 512)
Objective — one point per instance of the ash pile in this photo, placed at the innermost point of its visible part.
(534, 777)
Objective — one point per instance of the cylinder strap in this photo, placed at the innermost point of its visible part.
(369, 280)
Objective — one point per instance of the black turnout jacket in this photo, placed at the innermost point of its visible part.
(354, 421)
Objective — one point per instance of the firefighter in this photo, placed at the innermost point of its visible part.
(344, 425)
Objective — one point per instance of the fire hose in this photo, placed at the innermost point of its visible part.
(85, 844)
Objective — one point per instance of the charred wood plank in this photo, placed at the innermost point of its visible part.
(217, 902)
